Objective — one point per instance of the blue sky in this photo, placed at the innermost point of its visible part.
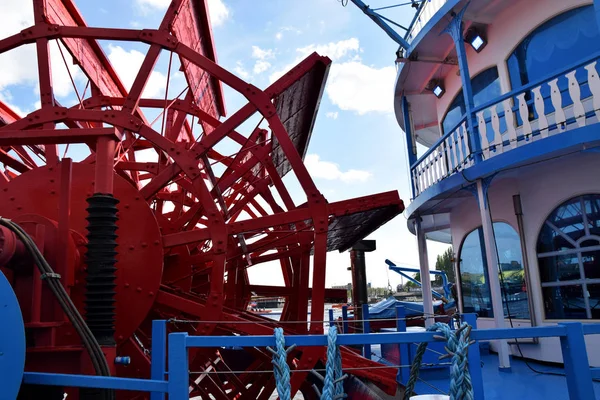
(357, 147)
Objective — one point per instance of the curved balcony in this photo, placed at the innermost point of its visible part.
(524, 119)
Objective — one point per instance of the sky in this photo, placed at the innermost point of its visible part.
(357, 147)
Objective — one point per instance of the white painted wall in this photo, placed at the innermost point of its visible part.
(542, 187)
(504, 34)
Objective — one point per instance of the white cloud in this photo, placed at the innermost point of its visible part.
(279, 35)
(333, 50)
(219, 12)
(261, 66)
(262, 54)
(128, 63)
(331, 171)
(332, 115)
(241, 71)
(353, 86)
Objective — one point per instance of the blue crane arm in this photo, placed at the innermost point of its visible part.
(380, 21)
(402, 270)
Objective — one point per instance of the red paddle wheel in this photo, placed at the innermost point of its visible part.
(188, 222)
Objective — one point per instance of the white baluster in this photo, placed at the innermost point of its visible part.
(575, 93)
(524, 113)
(468, 150)
(430, 170)
(449, 154)
(485, 144)
(559, 113)
(415, 182)
(443, 159)
(510, 124)
(496, 129)
(440, 160)
(454, 150)
(459, 147)
(540, 109)
(594, 83)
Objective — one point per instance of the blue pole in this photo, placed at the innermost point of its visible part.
(345, 318)
(597, 9)
(330, 317)
(577, 366)
(412, 157)
(474, 360)
(455, 29)
(403, 349)
(179, 380)
(366, 329)
(158, 355)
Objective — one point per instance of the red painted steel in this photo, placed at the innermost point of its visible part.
(192, 222)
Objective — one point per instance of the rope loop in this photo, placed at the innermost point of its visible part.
(457, 346)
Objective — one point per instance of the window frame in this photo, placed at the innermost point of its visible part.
(484, 258)
(577, 251)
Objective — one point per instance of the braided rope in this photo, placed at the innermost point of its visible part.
(461, 387)
(282, 369)
(333, 386)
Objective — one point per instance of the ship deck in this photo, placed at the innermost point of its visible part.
(520, 383)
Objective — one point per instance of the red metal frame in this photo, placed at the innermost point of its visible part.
(187, 234)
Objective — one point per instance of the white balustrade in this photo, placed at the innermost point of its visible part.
(594, 83)
(454, 153)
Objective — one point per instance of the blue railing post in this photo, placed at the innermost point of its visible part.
(331, 322)
(474, 359)
(455, 29)
(577, 366)
(345, 318)
(366, 329)
(412, 156)
(179, 380)
(158, 355)
(403, 348)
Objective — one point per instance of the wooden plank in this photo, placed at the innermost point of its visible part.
(86, 53)
(192, 28)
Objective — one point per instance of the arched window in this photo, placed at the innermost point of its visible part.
(474, 278)
(486, 87)
(551, 48)
(568, 250)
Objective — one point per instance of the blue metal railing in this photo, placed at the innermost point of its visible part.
(439, 161)
(176, 384)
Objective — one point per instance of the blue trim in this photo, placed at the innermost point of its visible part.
(597, 9)
(513, 158)
(366, 326)
(158, 355)
(90, 381)
(577, 367)
(403, 349)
